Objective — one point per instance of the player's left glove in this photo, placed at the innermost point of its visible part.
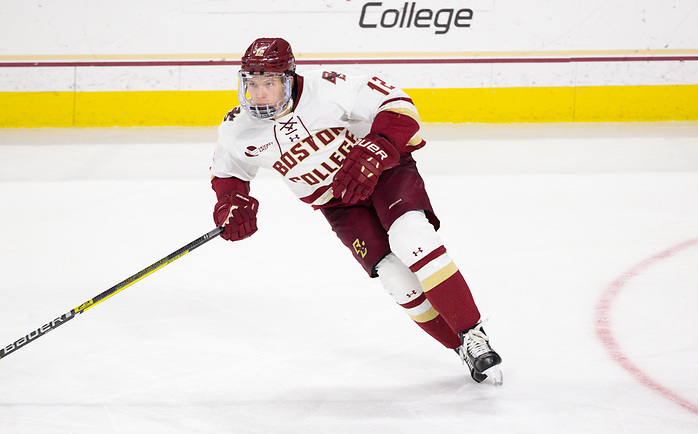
(359, 173)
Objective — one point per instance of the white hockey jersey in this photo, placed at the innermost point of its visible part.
(307, 146)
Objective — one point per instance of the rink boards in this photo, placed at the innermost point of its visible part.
(446, 87)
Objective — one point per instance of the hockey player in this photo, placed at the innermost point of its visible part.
(343, 144)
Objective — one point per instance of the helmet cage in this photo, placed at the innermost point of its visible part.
(263, 111)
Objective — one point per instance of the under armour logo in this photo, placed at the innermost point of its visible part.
(410, 294)
(419, 250)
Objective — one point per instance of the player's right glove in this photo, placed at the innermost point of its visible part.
(238, 213)
(360, 171)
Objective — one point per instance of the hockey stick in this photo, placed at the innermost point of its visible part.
(35, 334)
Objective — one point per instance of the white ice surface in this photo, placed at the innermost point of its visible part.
(283, 332)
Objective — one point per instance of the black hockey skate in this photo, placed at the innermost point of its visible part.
(476, 352)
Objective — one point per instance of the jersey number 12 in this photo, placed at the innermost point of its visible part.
(381, 86)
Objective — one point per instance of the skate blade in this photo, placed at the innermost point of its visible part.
(494, 375)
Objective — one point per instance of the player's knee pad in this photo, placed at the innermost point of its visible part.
(405, 288)
(412, 237)
(397, 279)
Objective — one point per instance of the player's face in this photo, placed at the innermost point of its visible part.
(265, 90)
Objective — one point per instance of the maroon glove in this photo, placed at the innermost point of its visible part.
(238, 213)
(359, 173)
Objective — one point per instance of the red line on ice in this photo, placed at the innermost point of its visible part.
(603, 326)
